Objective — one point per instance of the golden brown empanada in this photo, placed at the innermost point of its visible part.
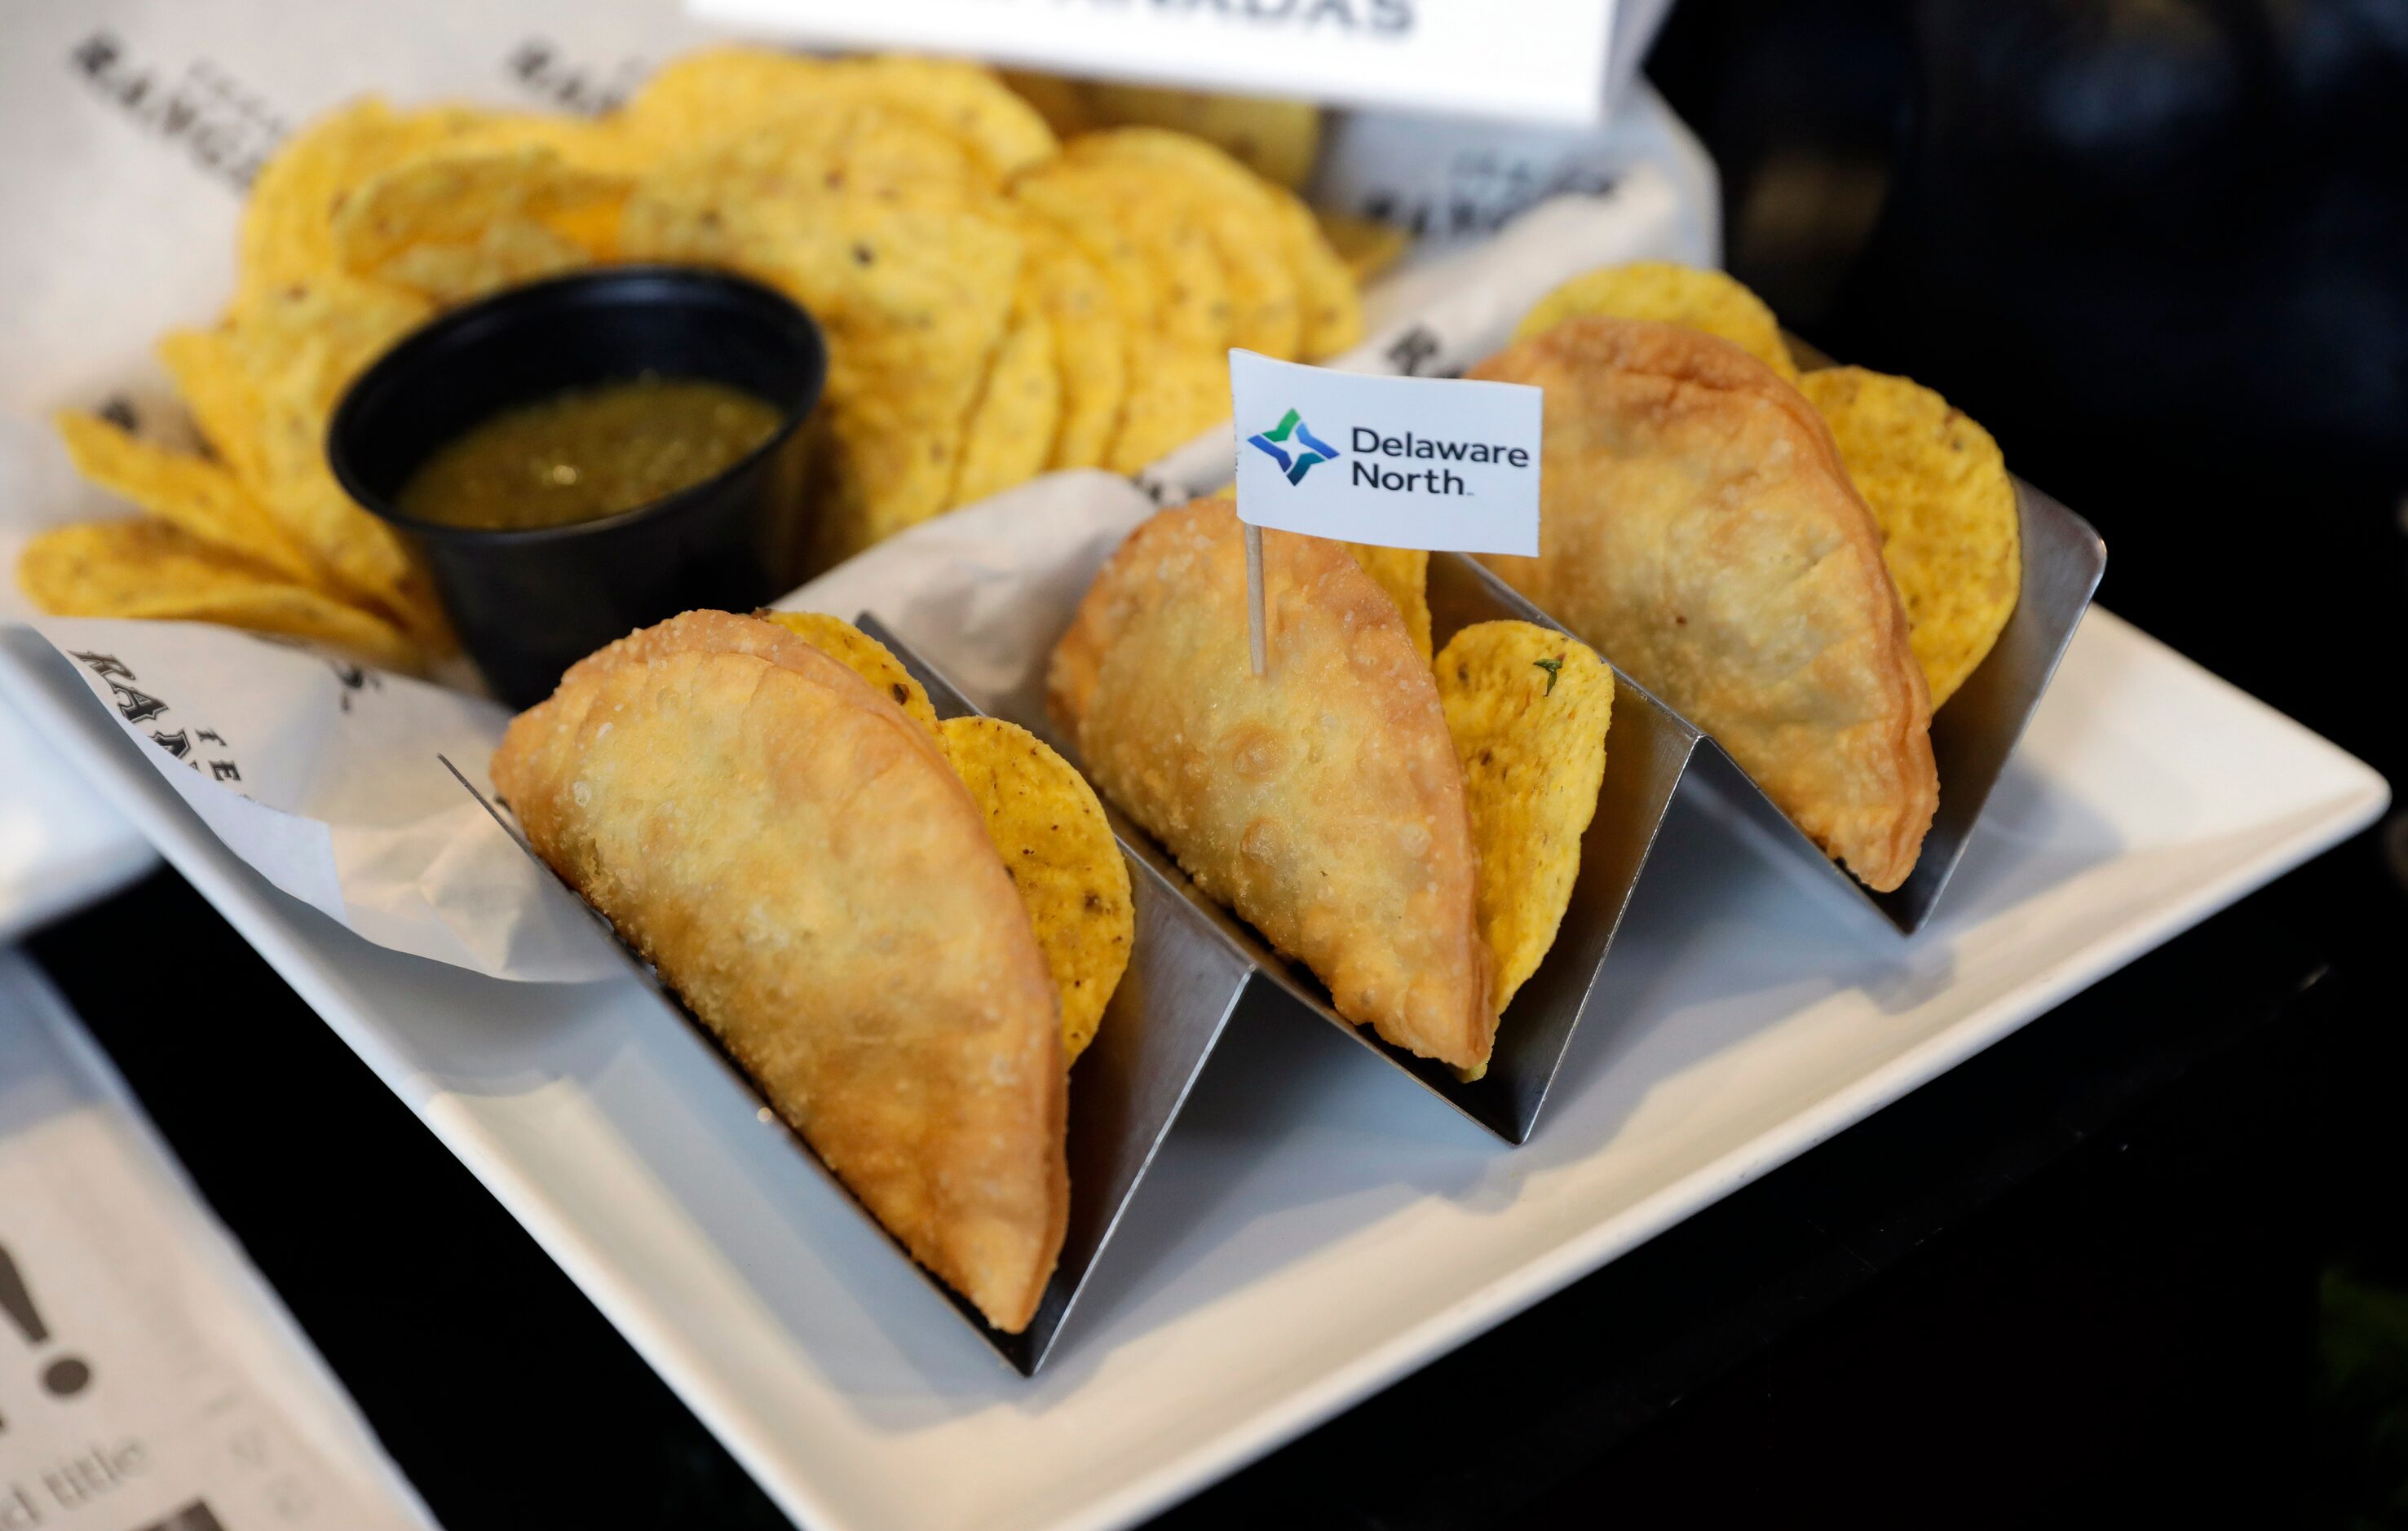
(1321, 801)
(801, 863)
(1698, 527)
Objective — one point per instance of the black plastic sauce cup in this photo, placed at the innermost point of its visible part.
(529, 602)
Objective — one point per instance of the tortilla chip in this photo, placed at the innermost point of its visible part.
(456, 198)
(1010, 434)
(1090, 345)
(192, 494)
(509, 253)
(1175, 394)
(1669, 294)
(1329, 316)
(151, 570)
(969, 100)
(224, 400)
(1366, 246)
(868, 658)
(1278, 140)
(1938, 485)
(288, 222)
(1528, 708)
(1181, 180)
(718, 90)
(1404, 574)
(1059, 849)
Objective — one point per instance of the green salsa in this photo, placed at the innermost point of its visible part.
(587, 453)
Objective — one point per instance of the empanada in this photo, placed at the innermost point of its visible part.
(1698, 527)
(1321, 801)
(802, 864)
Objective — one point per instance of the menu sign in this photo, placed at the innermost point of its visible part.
(1532, 60)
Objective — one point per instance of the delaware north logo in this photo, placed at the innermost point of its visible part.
(1308, 449)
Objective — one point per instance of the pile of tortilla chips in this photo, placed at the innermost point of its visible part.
(998, 302)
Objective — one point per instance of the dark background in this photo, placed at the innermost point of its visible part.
(2143, 1262)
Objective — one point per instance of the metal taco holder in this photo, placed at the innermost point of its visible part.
(1651, 750)
(1183, 984)
(1972, 734)
(1975, 730)
(1193, 962)
(1648, 748)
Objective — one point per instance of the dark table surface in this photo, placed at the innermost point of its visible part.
(2144, 1259)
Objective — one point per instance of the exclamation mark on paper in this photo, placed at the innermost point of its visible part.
(67, 1375)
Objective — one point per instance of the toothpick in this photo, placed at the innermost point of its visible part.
(1255, 597)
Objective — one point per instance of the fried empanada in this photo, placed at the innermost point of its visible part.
(1321, 801)
(802, 864)
(1698, 526)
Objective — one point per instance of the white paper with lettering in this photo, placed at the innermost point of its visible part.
(1532, 60)
(1397, 462)
(149, 1380)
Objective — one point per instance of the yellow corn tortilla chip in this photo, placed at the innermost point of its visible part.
(1093, 226)
(316, 333)
(1278, 140)
(1066, 103)
(1192, 285)
(719, 89)
(1937, 486)
(455, 199)
(1009, 434)
(1059, 847)
(150, 569)
(969, 100)
(1670, 294)
(914, 301)
(1329, 313)
(825, 146)
(1404, 574)
(261, 388)
(193, 493)
(1528, 708)
(221, 396)
(1174, 393)
(1366, 246)
(1332, 304)
(508, 253)
(1190, 182)
(301, 345)
(868, 658)
(1090, 344)
(288, 222)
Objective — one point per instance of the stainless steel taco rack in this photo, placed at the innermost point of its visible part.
(1647, 750)
(1651, 751)
(1183, 983)
(1193, 963)
(1971, 735)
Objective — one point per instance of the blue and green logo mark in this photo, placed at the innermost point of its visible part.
(1308, 449)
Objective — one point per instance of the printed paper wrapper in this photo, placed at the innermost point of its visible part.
(164, 1385)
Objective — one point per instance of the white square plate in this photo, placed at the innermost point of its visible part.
(61, 845)
(1315, 1226)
